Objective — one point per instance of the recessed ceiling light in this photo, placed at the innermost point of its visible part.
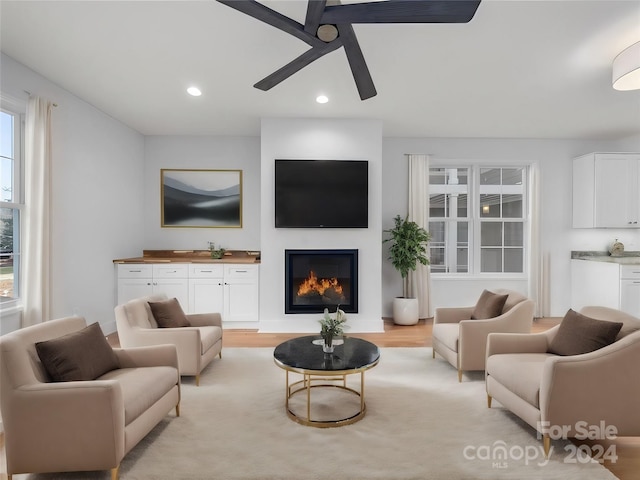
(322, 99)
(194, 91)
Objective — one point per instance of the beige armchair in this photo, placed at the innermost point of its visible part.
(559, 395)
(197, 345)
(71, 426)
(463, 341)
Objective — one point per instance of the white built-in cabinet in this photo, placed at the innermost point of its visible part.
(231, 289)
(606, 284)
(606, 190)
(139, 280)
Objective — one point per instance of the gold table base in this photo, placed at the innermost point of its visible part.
(307, 384)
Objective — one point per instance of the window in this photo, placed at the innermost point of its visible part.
(478, 219)
(10, 204)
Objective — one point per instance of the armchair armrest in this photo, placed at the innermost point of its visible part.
(594, 387)
(48, 417)
(147, 356)
(452, 314)
(205, 319)
(498, 343)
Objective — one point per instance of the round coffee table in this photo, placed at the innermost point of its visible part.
(304, 356)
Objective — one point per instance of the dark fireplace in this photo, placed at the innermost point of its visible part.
(319, 279)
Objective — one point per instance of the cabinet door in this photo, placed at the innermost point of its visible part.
(630, 297)
(206, 295)
(130, 288)
(617, 198)
(241, 300)
(178, 288)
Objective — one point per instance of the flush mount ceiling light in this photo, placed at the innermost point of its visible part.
(322, 99)
(194, 91)
(626, 69)
(329, 25)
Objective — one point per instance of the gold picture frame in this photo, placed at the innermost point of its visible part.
(192, 198)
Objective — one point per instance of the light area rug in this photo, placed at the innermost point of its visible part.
(420, 424)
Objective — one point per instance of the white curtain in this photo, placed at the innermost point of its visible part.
(419, 213)
(37, 216)
(535, 261)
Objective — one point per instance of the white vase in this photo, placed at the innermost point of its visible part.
(405, 311)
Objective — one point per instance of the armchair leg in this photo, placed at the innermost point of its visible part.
(433, 353)
(459, 375)
(220, 354)
(197, 380)
(178, 409)
(489, 400)
(546, 443)
(114, 473)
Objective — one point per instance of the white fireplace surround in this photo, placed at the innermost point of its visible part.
(334, 139)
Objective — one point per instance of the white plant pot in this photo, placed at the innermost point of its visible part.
(405, 311)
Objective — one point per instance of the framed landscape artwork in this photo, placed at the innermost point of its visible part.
(201, 198)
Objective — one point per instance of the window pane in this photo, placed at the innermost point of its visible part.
(490, 176)
(436, 229)
(512, 206)
(490, 205)
(9, 253)
(513, 260)
(463, 205)
(463, 233)
(512, 176)
(437, 176)
(6, 179)
(491, 260)
(6, 134)
(463, 176)
(436, 258)
(463, 260)
(6, 157)
(491, 234)
(513, 234)
(437, 206)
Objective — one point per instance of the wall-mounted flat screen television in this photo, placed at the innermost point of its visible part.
(322, 193)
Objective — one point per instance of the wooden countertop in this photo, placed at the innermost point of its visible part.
(192, 256)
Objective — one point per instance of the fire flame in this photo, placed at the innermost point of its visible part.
(313, 284)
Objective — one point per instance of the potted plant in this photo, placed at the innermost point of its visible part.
(408, 247)
(216, 253)
(331, 328)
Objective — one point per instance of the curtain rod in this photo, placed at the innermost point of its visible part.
(29, 93)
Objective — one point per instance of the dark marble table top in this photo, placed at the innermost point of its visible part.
(302, 354)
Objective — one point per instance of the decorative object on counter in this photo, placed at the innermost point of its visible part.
(216, 253)
(201, 198)
(616, 249)
(408, 247)
(332, 327)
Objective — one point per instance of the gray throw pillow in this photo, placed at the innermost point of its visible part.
(489, 305)
(581, 334)
(81, 355)
(169, 314)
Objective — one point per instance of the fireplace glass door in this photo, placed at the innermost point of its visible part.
(319, 279)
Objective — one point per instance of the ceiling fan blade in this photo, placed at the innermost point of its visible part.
(402, 11)
(273, 18)
(315, 9)
(359, 68)
(299, 63)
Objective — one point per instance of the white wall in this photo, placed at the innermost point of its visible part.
(106, 195)
(209, 153)
(554, 158)
(320, 139)
(97, 196)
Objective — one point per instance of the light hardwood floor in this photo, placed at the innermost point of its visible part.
(627, 466)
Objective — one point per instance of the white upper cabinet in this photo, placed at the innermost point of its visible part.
(606, 190)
